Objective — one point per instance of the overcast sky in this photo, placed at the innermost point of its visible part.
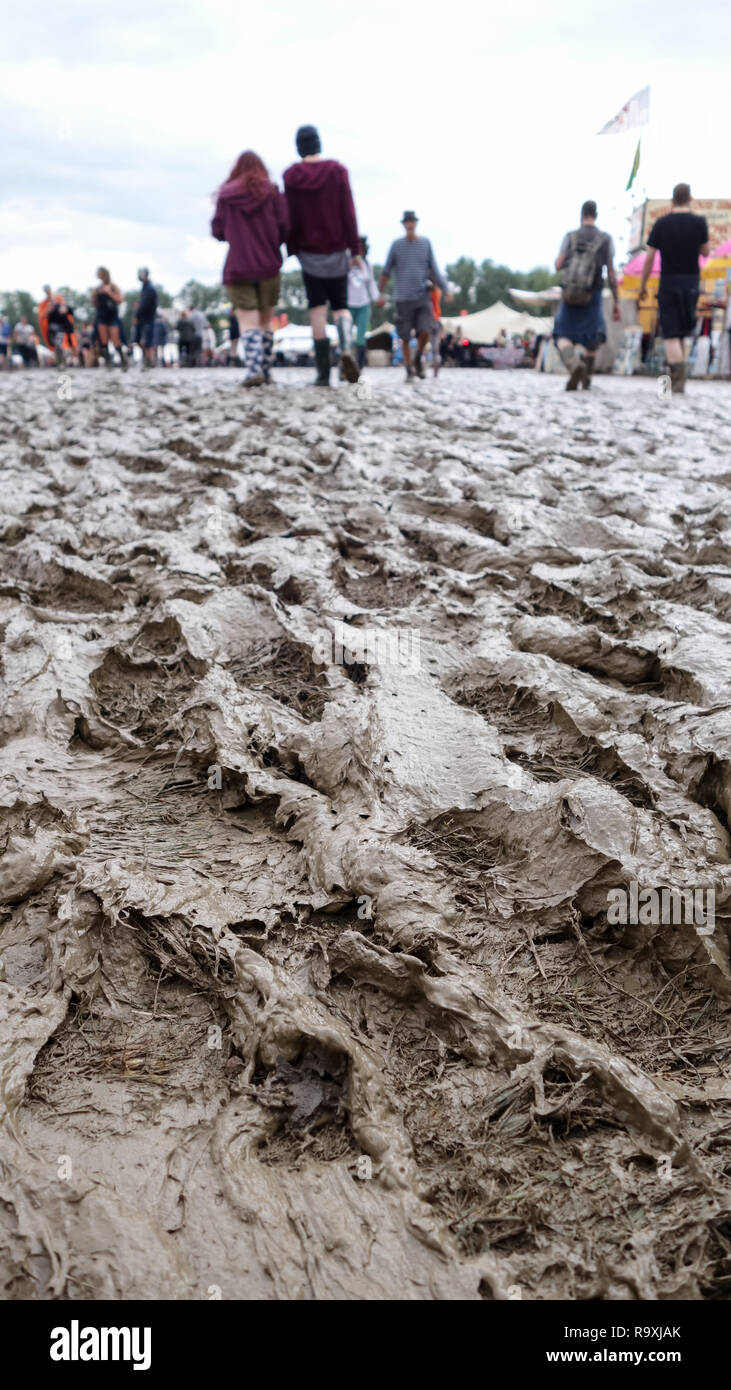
(120, 119)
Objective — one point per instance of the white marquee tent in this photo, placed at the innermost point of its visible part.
(484, 326)
(296, 338)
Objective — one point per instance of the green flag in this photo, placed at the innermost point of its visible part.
(635, 167)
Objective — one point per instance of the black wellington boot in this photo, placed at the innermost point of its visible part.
(322, 360)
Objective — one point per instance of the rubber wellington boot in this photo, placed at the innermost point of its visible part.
(348, 364)
(267, 358)
(322, 360)
(574, 366)
(677, 377)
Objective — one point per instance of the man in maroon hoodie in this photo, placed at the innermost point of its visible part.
(324, 236)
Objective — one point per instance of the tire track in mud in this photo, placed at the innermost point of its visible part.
(307, 967)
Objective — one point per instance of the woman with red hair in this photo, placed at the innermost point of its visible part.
(251, 215)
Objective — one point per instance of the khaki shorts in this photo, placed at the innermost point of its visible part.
(254, 294)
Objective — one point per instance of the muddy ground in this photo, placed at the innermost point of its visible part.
(309, 987)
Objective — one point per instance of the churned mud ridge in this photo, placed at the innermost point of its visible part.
(308, 982)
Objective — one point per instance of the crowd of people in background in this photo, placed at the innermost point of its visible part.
(62, 341)
(314, 218)
(192, 338)
(159, 338)
(171, 338)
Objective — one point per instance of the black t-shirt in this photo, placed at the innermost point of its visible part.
(678, 236)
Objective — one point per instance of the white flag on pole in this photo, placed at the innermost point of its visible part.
(635, 112)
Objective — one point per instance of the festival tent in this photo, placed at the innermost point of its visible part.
(632, 272)
(296, 338)
(484, 326)
(629, 284)
(533, 298)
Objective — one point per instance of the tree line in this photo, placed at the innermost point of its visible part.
(475, 287)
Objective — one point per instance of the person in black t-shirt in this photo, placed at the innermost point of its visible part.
(681, 236)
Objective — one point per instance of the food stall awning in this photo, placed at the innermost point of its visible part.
(718, 262)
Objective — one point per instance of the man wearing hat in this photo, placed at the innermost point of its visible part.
(412, 263)
(324, 236)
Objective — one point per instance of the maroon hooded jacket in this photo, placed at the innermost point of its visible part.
(321, 212)
(254, 225)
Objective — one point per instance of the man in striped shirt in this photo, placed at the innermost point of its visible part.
(412, 263)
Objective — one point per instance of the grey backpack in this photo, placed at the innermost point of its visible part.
(579, 272)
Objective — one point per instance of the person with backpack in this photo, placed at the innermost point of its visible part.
(580, 320)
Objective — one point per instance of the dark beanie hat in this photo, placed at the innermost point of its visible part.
(307, 141)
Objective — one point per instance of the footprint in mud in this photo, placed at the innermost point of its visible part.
(219, 479)
(712, 788)
(369, 582)
(140, 689)
(262, 518)
(132, 463)
(66, 584)
(309, 1097)
(540, 738)
(287, 673)
(626, 665)
(185, 449)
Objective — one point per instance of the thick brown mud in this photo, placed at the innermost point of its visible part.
(308, 986)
